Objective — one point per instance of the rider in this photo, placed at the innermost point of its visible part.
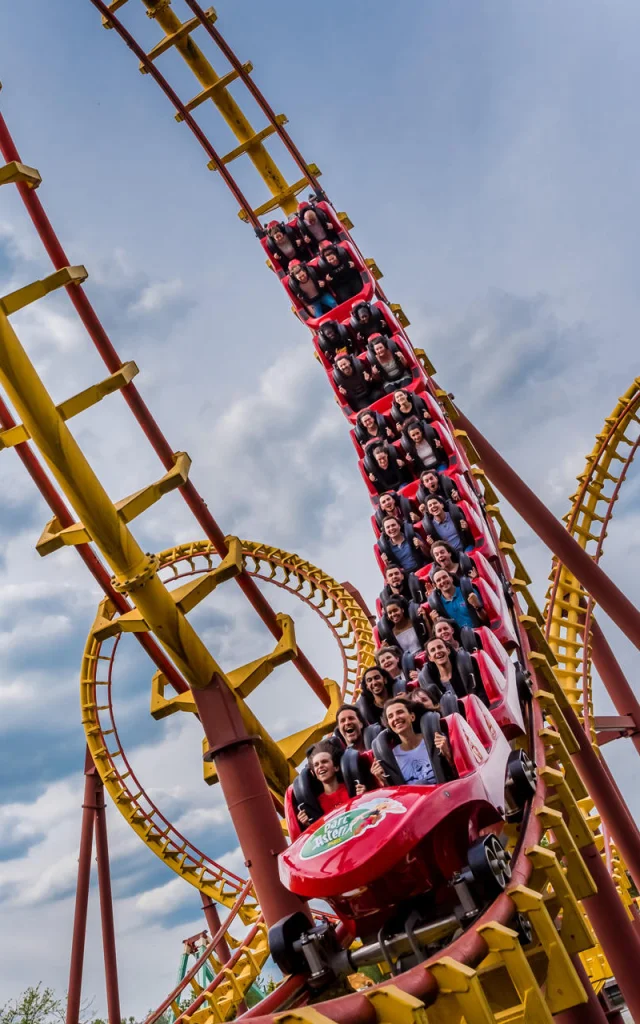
(367, 320)
(350, 724)
(434, 484)
(376, 686)
(324, 765)
(401, 584)
(353, 381)
(310, 289)
(448, 524)
(284, 243)
(339, 271)
(461, 603)
(334, 337)
(403, 720)
(389, 659)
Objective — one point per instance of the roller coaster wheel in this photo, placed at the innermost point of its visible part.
(522, 779)
(524, 684)
(522, 925)
(490, 866)
(284, 943)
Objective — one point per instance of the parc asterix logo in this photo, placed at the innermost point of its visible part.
(344, 826)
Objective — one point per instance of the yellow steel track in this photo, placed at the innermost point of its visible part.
(329, 599)
(569, 608)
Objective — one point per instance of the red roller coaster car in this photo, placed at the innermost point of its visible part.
(405, 866)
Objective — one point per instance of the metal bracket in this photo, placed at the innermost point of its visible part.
(76, 404)
(178, 36)
(14, 301)
(14, 172)
(213, 90)
(245, 147)
(54, 537)
(288, 193)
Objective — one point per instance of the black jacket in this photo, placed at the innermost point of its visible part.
(412, 590)
(343, 281)
(341, 340)
(376, 324)
(359, 391)
(462, 680)
(389, 479)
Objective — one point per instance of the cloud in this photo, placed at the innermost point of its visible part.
(157, 295)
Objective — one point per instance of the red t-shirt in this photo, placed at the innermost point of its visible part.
(329, 801)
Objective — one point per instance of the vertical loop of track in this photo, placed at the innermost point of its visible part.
(569, 609)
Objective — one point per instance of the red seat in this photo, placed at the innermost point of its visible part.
(501, 688)
(481, 535)
(502, 627)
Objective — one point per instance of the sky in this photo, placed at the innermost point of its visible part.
(487, 154)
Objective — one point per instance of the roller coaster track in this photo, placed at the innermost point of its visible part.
(329, 599)
(569, 609)
(485, 974)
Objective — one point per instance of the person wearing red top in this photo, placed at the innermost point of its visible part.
(324, 763)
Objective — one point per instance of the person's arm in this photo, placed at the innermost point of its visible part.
(443, 747)
(303, 817)
(378, 773)
(476, 603)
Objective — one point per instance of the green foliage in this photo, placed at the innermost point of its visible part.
(33, 1006)
(41, 1006)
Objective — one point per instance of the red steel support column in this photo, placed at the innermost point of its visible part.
(553, 533)
(74, 996)
(614, 930)
(221, 949)
(614, 680)
(611, 808)
(590, 1012)
(246, 794)
(106, 905)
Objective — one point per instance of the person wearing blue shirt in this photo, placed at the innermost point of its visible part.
(409, 555)
(447, 525)
(466, 611)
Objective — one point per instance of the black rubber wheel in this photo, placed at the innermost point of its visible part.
(522, 925)
(490, 866)
(282, 936)
(524, 684)
(522, 780)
